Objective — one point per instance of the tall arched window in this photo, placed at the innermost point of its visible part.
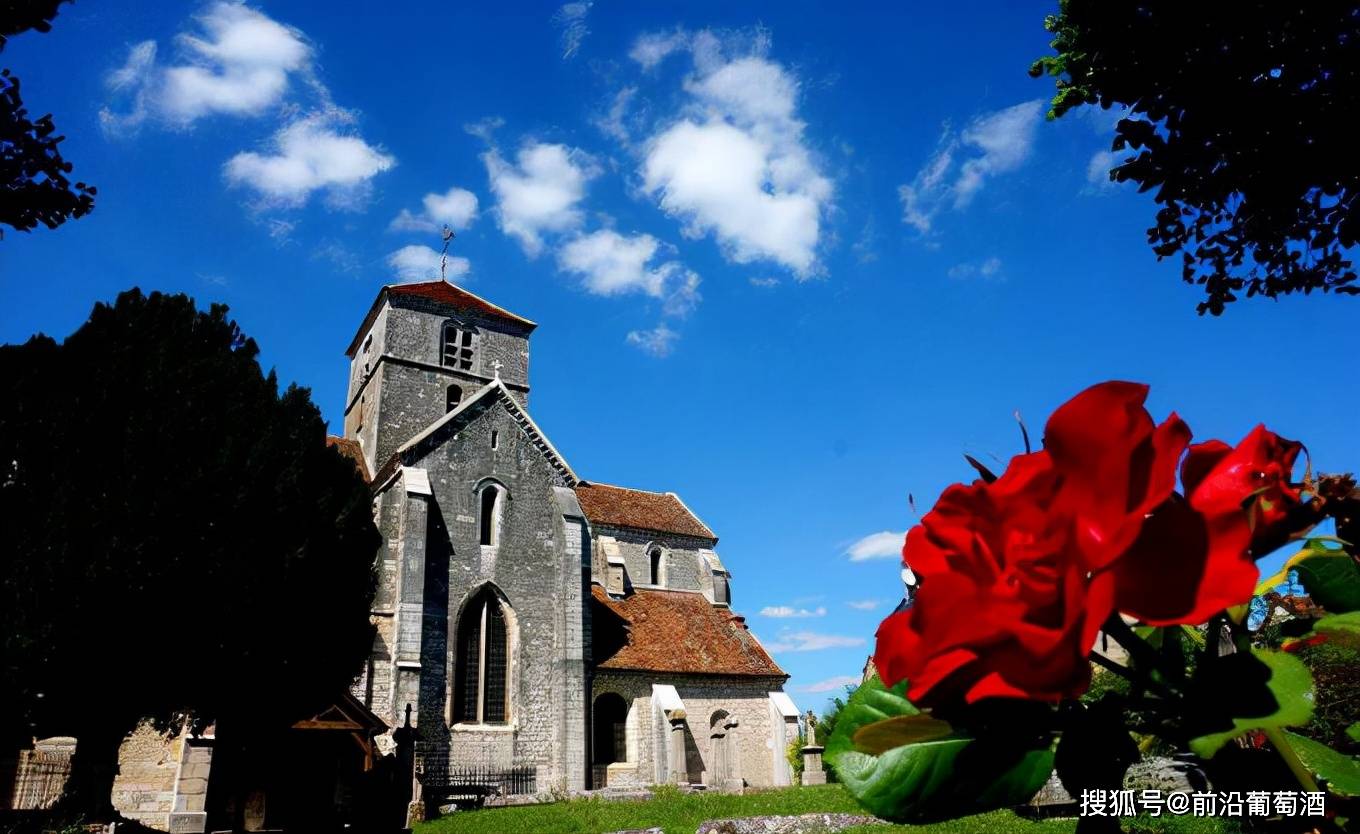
(453, 398)
(457, 347)
(491, 504)
(657, 560)
(482, 668)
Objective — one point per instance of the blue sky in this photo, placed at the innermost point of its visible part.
(789, 260)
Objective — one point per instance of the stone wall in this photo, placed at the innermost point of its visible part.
(539, 567)
(400, 387)
(683, 564)
(746, 699)
(162, 779)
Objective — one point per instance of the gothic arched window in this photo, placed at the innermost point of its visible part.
(457, 347)
(482, 668)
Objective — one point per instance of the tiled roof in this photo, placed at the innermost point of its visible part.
(682, 632)
(620, 507)
(352, 450)
(440, 292)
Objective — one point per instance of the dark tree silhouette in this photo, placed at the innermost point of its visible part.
(178, 536)
(34, 187)
(1238, 121)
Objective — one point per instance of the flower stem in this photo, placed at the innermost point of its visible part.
(1142, 653)
(1291, 759)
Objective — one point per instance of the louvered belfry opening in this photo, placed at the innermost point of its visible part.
(482, 673)
(457, 347)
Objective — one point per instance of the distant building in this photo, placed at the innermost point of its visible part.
(536, 621)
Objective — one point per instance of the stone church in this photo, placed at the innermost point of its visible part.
(528, 618)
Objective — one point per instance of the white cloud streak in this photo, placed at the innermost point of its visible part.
(812, 641)
(783, 612)
(421, 263)
(884, 545)
(571, 18)
(864, 604)
(994, 143)
(659, 341)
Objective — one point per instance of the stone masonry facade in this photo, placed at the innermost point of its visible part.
(481, 516)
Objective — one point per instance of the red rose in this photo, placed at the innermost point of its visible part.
(1004, 607)
(1194, 557)
(1254, 475)
(1014, 574)
(1117, 466)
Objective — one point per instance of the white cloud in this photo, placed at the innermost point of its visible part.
(864, 604)
(310, 154)
(238, 63)
(659, 341)
(1098, 169)
(833, 684)
(989, 268)
(811, 641)
(994, 143)
(734, 163)
(539, 192)
(421, 263)
(571, 17)
(615, 122)
(884, 545)
(764, 283)
(652, 48)
(789, 611)
(456, 207)
(610, 264)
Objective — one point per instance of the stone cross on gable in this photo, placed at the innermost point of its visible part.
(496, 368)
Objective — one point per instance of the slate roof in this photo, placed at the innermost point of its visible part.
(682, 632)
(352, 450)
(663, 512)
(440, 292)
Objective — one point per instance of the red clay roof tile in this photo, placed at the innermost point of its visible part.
(682, 632)
(620, 507)
(440, 292)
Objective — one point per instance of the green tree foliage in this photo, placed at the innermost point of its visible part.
(178, 536)
(34, 186)
(1235, 121)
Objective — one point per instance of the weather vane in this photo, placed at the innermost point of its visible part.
(444, 256)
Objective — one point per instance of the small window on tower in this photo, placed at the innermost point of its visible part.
(455, 396)
(495, 438)
(457, 347)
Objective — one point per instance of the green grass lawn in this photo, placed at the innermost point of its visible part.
(681, 813)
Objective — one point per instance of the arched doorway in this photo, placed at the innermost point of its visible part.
(609, 735)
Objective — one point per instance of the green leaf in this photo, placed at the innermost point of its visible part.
(943, 777)
(871, 702)
(1341, 772)
(939, 779)
(1290, 685)
(900, 730)
(1349, 621)
(1353, 731)
(1328, 574)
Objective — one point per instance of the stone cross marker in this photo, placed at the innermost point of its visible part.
(812, 755)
